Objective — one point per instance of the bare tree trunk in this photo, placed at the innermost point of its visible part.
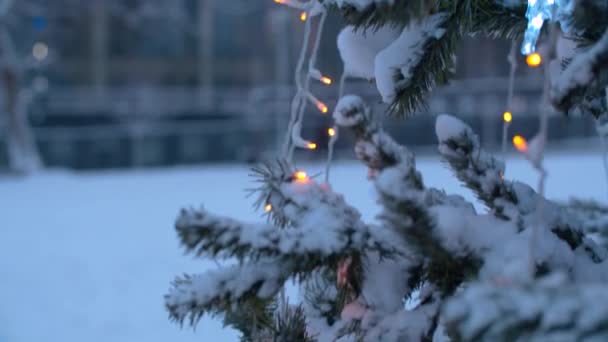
(22, 151)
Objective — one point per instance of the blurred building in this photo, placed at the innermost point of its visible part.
(162, 82)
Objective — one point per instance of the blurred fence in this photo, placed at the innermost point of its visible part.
(150, 126)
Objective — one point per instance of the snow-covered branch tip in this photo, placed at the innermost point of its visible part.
(479, 171)
(593, 217)
(376, 149)
(214, 292)
(584, 69)
(414, 63)
(514, 201)
(317, 234)
(549, 310)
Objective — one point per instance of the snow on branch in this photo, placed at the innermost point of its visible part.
(593, 217)
(373, 147)
(548, 310)
(480, 172)
(580, 74)
(215, 291)
(358, 49)
(415, 325)
(515, 201)
(407, 204)
(319, 235)
(414, 63)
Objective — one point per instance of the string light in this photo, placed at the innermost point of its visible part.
(320, 105)
(312, 146)
(331, 131)
(303, 16)
(40, 51)
(295, 4)
(534, 60)
(316, 74)
(268, 207)
(300, 176)
(520, 143)
(325, 80)
(507, 117)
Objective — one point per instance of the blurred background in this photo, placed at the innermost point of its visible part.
(140, 83)
(118, 98)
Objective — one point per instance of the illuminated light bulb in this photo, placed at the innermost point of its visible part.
(325, 80)
(537, 22)
(40, 51)
(303, 16)
(520, 143)
(300, 176)
(331, 132)
(268, 207)
(280, 1)
(507, 117)
(322, 107)
(312, 146)
(534, 60)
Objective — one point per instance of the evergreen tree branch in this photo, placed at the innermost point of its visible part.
(209, 235)
(495, 19)
(379, 13)
(580, 74)
(415, 325)
(405, 201)
(515, 201)
(433, 64)
(593, 217)
(548, 310)
(216, 291)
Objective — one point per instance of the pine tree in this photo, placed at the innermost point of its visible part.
(526, 268)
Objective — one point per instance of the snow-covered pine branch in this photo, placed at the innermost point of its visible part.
(373, 14)
(214, 292)
(415, 62)
(515, 201)
(584, 69)
(422, 56)
(551, 309)
(373, 147)
(318, 233)
(593, 217)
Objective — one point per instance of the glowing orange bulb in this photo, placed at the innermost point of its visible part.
(508, 117)
(312, 146)
(280, 1)
(322, 107)
(534, 60)
(520, 143)
(325, 80)
(300, 176)
(331, 132)
(268, 207)
(303, 16)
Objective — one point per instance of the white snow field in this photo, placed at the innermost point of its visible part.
(89, 256)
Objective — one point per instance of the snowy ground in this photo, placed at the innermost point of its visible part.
(88, 256)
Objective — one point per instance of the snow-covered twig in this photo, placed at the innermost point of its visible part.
(216, 291)
(579, 74)
(551, 310)
(515, 201)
